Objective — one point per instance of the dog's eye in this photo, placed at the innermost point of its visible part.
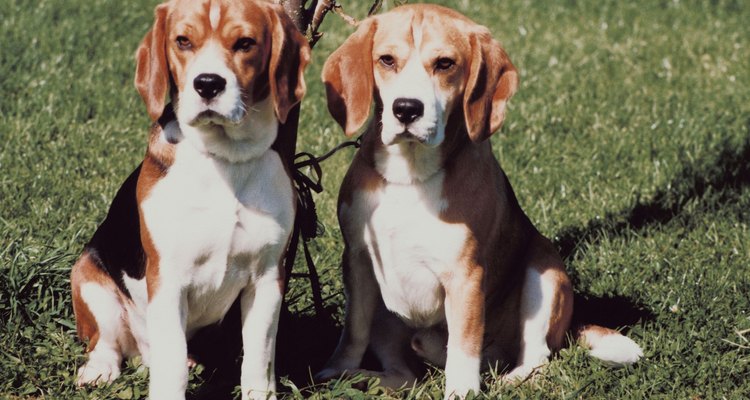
(244, 44)
(387, 61)
(183, 43)
(444, 63)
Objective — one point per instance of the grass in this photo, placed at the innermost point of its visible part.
(628, 143)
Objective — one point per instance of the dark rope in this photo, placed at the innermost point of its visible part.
(306, 222)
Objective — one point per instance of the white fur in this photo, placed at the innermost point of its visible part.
(237, 143)
(414, 82)
(136, 314)
(408, 244)
(103, 364)
(614, 350)
(165, 323)
(407, 162)
(228, 105)
(219, 220)
(218, 227)
(260, 309)
(461, 373)
(536, 310)
(214, 14)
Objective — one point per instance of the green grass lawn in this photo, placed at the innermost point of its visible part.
(628, 143)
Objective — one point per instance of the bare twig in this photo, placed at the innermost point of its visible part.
(294, 9)
(375, 7)
(317, 12)
(340, 12)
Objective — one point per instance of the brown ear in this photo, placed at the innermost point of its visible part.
(492, 81)
(348, 77)
(290, 54)
(152, 71)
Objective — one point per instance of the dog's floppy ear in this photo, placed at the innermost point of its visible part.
(348, 77)
(290, 54)
(492, 81)
(152, 71)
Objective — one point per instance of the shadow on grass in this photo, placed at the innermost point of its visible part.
(305, 342)
(727, 173)
(730, 172)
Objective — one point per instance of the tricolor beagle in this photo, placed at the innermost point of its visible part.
(207, 216)
(433, 232)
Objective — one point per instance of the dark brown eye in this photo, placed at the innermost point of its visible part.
(244, 44)
(183, 43)
(387, 61)
(444, 63)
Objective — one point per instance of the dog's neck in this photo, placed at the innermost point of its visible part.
(407, 162)
(410, 162)
(239, 143)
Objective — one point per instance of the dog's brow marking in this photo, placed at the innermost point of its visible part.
(214, 14)
(416, 33)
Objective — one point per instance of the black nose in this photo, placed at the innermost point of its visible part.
(209, 85)
(407, 110)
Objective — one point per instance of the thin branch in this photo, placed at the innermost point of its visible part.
(294, 9)
(319, 10)
(375, 7)
(340, 12)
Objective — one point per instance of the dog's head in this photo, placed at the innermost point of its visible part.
(422, 63)
(219, 59)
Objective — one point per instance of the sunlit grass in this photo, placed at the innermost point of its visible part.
(628, 141)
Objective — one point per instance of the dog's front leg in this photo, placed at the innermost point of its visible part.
(362, 293)
(464, 309)
(165, 319)
(261, 302)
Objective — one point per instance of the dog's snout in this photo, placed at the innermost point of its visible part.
(209, 85)
(407, 110)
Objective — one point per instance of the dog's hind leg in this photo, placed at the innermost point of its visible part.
(390, 340)
(361, 302)
(546, 309)
(100, 320)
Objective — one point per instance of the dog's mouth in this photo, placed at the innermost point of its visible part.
(211, 117)
(407, 136)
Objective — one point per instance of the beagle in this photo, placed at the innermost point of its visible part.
(207, 215)
(439, 259)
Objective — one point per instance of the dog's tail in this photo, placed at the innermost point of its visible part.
(608, 345)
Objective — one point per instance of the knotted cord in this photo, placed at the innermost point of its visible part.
(306, 222)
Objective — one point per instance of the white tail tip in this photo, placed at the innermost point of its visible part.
(611, 347)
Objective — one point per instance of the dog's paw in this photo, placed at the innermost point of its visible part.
(327, 374)
(97, 371)
(519, 374)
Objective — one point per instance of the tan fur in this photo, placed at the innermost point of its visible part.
(158, 56)
(267, 72)
(507, 272)
(151, 172)
(85, 271)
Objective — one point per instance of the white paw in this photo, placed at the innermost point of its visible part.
(458, 393)
(97, 371)
(258, 395)
(519, 374)
(327, 374)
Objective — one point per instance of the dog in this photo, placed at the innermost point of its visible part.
(206, 217)
(440, 260)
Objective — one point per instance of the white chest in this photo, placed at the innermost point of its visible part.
(409, 245)
(217, 226)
